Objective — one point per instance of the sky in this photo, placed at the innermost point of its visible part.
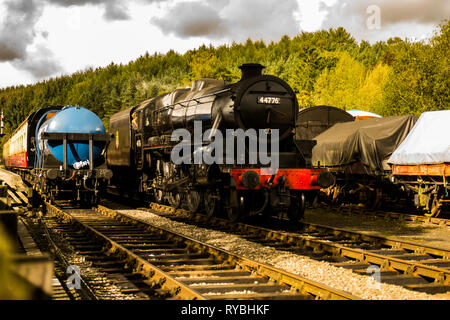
(40, 39)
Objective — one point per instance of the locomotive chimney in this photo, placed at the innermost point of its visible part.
(250, 70)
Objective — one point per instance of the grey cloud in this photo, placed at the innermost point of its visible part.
(421, 11)
(191, 19)
(17, 29)
(9, 52)
(40, 63)
(114, 9)
(395, 16)
(17, 34)
(231, 19)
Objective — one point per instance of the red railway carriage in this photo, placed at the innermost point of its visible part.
(19, 150)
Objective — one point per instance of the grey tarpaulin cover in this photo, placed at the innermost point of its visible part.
(369, 141)
(427, 143)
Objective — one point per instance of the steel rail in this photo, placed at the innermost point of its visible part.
(397, 216)
(441, 275)
(157, 276)
(300, 284)
(87, 290)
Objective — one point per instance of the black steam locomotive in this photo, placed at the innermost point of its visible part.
(243, 121)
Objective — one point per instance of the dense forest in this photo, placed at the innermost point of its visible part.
(392, 77)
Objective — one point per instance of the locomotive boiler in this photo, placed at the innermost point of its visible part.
(235, 126)
(59, 151)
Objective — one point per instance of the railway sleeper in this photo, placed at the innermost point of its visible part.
(260, 296)
(186, 262)
(226, 280)
(207, 289)
(179, 275)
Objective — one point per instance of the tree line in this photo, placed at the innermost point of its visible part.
(327, 67)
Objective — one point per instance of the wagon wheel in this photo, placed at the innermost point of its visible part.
(435, 207)
(374, 198)
(174, 199)
(159, 195)
(193, 200)
(210, 202)
(336, 193)
(296, 209)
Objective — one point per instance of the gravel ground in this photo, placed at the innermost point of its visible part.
(362, 286)
(426, 234)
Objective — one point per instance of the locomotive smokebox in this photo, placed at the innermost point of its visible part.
(251, 70)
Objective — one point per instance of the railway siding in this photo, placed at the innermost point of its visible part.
(410, 265)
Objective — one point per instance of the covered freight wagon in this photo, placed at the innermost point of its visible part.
(357, 152)
(422, 162)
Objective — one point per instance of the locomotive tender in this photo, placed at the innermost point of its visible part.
(144, 138)
(59, 151)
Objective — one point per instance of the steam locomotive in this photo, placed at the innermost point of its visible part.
(232, 124)
(58, 150)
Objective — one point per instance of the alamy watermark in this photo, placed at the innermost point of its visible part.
(374, 281)
(74, 280)
(214, 147)
(373, 22)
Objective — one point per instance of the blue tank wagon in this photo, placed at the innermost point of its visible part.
(61, 152)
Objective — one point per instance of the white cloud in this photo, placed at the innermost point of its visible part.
(42, 38)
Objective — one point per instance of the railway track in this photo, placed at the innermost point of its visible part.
(99, 279)
(390, 215)
(175, 267)
(407, 264)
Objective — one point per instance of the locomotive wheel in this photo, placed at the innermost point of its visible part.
(210, 202)
(159, 196)
(296, 210)
(236, 213)
(233, 213)
(315, 203)
(174, 199)
(193, 200)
